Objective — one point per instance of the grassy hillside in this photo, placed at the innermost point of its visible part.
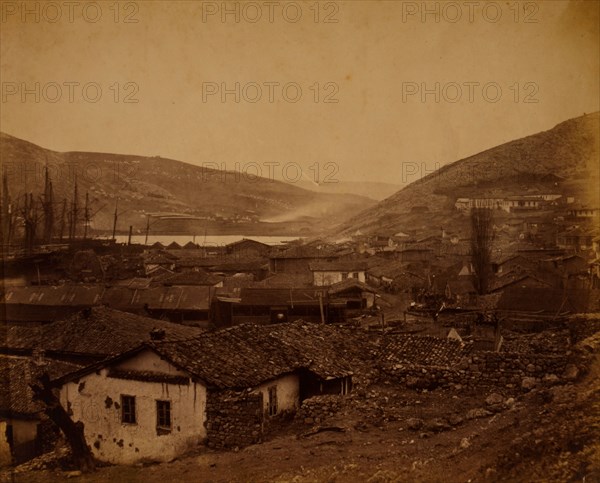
(563, 159)
(155, 184)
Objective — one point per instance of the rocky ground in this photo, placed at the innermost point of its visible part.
(550, 433)
(382, 433)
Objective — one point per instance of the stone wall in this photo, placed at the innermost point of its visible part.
(233, 419)
(316, 409)
(481, 369)
(582, 326)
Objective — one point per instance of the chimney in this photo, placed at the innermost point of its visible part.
(38, 356)
(157, 334)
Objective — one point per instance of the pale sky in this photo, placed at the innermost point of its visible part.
(548, 51)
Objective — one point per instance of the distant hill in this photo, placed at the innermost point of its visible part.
(562, 160)
(371, 189)
(154, 184)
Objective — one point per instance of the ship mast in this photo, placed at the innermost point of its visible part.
(115, 219)
(6, 212)
(48, 208)
(86, 215)
(73, 215)
(62, 220)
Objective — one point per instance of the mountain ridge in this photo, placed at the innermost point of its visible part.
(561, 159)
(145, 184)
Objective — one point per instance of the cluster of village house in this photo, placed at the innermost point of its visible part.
(126, 340)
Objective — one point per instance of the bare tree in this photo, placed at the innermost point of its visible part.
(82, 455)
(482, 237)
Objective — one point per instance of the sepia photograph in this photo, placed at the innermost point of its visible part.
(301, 241)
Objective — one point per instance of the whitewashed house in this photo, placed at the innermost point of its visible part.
(152, 402)
(330, 272)
(136, 406)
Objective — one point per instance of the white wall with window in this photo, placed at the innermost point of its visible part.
(281, 394)
(126, 420)
(323, 278)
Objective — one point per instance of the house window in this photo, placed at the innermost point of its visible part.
(163, 414)
(128, 409)
(272, 400)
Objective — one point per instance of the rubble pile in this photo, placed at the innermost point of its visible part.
(562, 439)
(59, 458)
(482, 369)
(547, 342)
(582, 326)
(317, 409)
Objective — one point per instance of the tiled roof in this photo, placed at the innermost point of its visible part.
(247, 355)
(239, 280)
(102, 332)
(422, 350)
(16, 373)
(399, 272)
(348, 284)
(247, 241)
(337, 266)
(462, 285)
(192, 262)
(238, 265)
(547, 300)
(158, 271)
(510, 278)
(286, 280)
(161, 257)
(136, 283)
(305, 251)
(195, 277)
